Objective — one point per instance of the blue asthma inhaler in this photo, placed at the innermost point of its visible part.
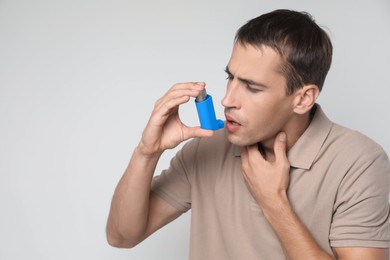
(206, 113)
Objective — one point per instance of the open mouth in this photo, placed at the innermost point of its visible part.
(231, 124)
(231, 120)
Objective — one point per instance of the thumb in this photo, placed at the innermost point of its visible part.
(196, 131)
(280, 146)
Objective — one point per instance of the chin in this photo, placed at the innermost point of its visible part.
(239, 141)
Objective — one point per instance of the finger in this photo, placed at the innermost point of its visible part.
(244, 159)
(195, 86)
(280, 146)
(252, 149)
(254, 153)
(166, 107)
(186, 84)
(249, 155)
(173, 94)
(191, 92)
(190, 132)
(179, 92)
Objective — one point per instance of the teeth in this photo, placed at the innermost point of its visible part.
(234, 123)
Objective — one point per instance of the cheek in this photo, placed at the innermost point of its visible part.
(262, 122)
(266, 107)
(268, 116)
(261, 112)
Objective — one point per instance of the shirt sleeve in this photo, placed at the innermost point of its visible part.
(361, 211)
(174, 184)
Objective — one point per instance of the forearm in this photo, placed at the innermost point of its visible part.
(296, 240)
(134, 213)
(128, 216)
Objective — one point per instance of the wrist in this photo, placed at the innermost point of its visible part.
(142, 164)
(141, 152)
(147, 152)
(276, 207)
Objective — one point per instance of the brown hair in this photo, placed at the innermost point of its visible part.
(305, 48)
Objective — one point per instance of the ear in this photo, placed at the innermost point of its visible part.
(305, 98)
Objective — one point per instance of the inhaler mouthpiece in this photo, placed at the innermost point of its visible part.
(206, 113)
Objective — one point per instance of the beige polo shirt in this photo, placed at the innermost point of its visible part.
(339, 188)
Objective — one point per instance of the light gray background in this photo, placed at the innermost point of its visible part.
(78, 80)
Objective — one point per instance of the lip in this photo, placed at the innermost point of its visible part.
(229, 123)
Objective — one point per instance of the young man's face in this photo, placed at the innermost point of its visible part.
(256, 105)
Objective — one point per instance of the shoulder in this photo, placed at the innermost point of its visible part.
(349, 143)
(360, 170)
(347, 155)
(359, 161)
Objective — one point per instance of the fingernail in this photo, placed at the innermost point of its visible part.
(282, 137)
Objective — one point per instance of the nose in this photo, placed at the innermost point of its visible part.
(231, 98)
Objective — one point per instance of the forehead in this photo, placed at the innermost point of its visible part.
(249, 59)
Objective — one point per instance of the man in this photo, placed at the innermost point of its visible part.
(281, 181)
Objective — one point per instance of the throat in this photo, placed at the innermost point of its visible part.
(266, 153)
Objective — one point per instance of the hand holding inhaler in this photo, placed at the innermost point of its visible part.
(206, 112)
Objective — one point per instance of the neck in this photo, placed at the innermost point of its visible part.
(294, 130)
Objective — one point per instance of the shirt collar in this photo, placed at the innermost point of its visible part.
(305, 150)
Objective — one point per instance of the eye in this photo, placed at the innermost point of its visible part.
(229, 77)
(253, 90)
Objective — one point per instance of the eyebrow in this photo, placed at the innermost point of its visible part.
(246, 81)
